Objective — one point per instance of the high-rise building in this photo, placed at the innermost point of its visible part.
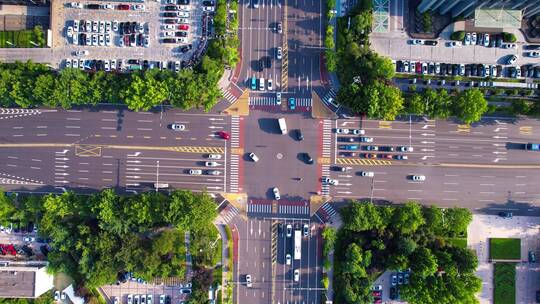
(466, 8)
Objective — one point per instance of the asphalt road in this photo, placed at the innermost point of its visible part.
(481, 167)
(112, 147)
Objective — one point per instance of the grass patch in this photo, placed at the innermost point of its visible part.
(504, 276)
(217, 275)
(458, 242)
(504, 249)
(22, 39)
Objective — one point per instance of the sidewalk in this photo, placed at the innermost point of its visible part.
(224, 258)
(336, 223)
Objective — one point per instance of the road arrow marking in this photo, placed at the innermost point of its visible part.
(64, 166)
(426, 126)
(499, 152)
(216, 188)
(428, 150)
(501, 128)
(134, 154)
(428, 142)
(135, 177)
(344, 192)
(133, 185)
(428, 134)
(133, 169)
(215, 127)
(500, 123)
(426, 157)
(500, 137)
(63, 158)
(61, 173)
(134, 161)
(499, 145)
(63, 152)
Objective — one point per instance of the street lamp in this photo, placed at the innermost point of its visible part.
(157, 175)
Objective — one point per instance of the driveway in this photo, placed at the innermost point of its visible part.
(484, 227)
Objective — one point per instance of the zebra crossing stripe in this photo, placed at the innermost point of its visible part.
(360, 162)
(228, 95)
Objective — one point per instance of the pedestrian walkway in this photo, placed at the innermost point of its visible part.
(228, 95)
(325, 190)
(263, 101)
(327, 138)
(362, 162)
(293, 207)
(260, 207)
(227, 214)
(330, 94)
(326, 212)
(234, 172)
(303, 102)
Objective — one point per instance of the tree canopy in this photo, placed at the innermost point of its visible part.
(375, 238)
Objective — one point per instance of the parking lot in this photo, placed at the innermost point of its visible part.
(133, 36)
(21, 243)
(484, 227)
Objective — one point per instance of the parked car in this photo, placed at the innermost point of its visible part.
(418, 177)
(512, 59)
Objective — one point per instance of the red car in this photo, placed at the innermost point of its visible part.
(123, 7)
(376, 293)
(367, 155)
(183, 27)
(224, 135)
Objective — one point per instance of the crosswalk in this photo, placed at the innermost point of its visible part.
(362, 161)
(292, 209)
(327, 138)
(330, 94)
(326, 212)
(272, 101)
(235, 158)
(227, 214)
(259, 208)
(228, 95)
(278, 208)
(325, 190)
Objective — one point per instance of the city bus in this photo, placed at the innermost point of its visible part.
(297, 244)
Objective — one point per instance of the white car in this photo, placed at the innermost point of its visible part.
(509, 46)
(276, 193)
(115, 300)
(512, 59)
(182, 40)
(270, 87)
(108, 27)
(108, 6)
(455, 43)
(418, 177)
(248, 281)
(168, 26)
(358, 132)
(138, 7)
(115, 26)
(113, 64)
(253, 157)
(75, 39)
(81, 53)
(81, 64)
(183, 14)
(342, 131)
(63, 296)
(101, 39)
(289, 230)
(208, 8)
(146, 41)
(473, 39)
(279, 53)
(183, 7)
(75, 63)
(170, 1)
(405, 149)
(95, 39)
(296, 275)
(75, 25)
(486, 39)
(69, 31)
(183, 21)
(178, 127)
(88, 39)
(288, 259)
(214, 156)
(213, 172)
(88, 26)
(162, 299)
(533, 54)
(95, 26)
(305, 228)
(107, 39)
(102, 26)
(149, 299)
(195, 172)
(330, 181)
(57, 295)
(168, 34)
(76, 5)
(417, 41)
(107, 64)
(366, 139)
(211, 164)
(467, 39)
(367, 173)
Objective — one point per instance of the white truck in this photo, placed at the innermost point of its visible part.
(282, 125)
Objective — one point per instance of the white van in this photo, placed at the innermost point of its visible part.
(161, 185)
(282, 125)
(261, 84)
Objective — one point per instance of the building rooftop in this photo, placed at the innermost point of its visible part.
(20, 280)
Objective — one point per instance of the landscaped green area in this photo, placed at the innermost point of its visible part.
(378, 238)
(23, 38)
(96, 237)
(46, 298)
(504, 277)
(504, 249)
(458, 242)
(30, 84)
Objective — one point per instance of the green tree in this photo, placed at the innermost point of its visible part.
(433, 217)
(470, 105)
(144, 93)
(7, 208)
(456, 221)
(361, 216)
(423, 262)
(408, 218)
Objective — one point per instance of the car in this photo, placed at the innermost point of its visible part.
(275, 190)
(486, 70)
(405, 149)
(248, 281)
(307, 158)
(467, 39)
(223, 135)
(418, 177)
(505, 214)
(348, 147)
(394, 280)
(138, 7)
(305, 229)
(393, 293)
(342, 131)
(255, 3)
(454, 44)
(75, 63)
(177, 66)
(101, 39)
(402, 157)
(330, 181)
(417, 41)
(177, 127)
(107, 65)
(358, 132)
(146, 41)
(367, 173)
(181, 34)
(533, 54)
(431, 42)
(56, 295)
(346, 139)
(161, 299)
(518, 72)
(462, 70)
(268, 61)
(406, 278)
(213, 156)
(170, 8)
(208, 3)
(208, 8)
(182, 40)
(292, 103)
(81, 53)
(195, 172)
(279, 53)
(486, 39)
(289, 230)
(63, 296)
(509, 46)
(299, 135)
(185, 291)
(296, 275)
(532, 257)
(270, 87)
(171, 14)
(372, 148)
(419, 67)
(183, 27)
(288, 259)
(69, 31)
(182, 21)
(253, 157)
(512, 59)
(279, 28)
(376, 293)
(183, 14)
(211, 164)
(406, 67)
(168, 34)
(473, 38)
(107, 39)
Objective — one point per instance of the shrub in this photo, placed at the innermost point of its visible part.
(427, 21)
(459, 35)
(512, 92)
(509, 37)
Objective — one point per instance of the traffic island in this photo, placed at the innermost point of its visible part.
(319, 110)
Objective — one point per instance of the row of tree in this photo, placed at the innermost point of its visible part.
(97, 236)
(468, 105)
(409, 237)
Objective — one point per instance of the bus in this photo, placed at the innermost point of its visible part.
(282, 125)
(297, 244)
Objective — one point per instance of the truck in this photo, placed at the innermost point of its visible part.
(282, 125)
(533, 147)
(297, 244)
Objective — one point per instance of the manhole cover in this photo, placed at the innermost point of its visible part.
(279, 156)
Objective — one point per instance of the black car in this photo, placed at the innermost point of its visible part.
(538, 296)
(393, 293)
(183, 2)
(499, 41)
(467, 70)
(184, 49)
(537, 72)
(121, 28)
(170, 14)
(133, 27)
(134, 61)
(307, 158)
(268, 61)
(208, 3)
(171, 8)
(146, 64)
(443, 68)
(180, 34)
(431, 42)
(455, 68)
(505, 214)
(533, 47)
(480, 70)
(338, 168)
(168, 40)
(170, 21)
(299, 135)
(126, 28)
